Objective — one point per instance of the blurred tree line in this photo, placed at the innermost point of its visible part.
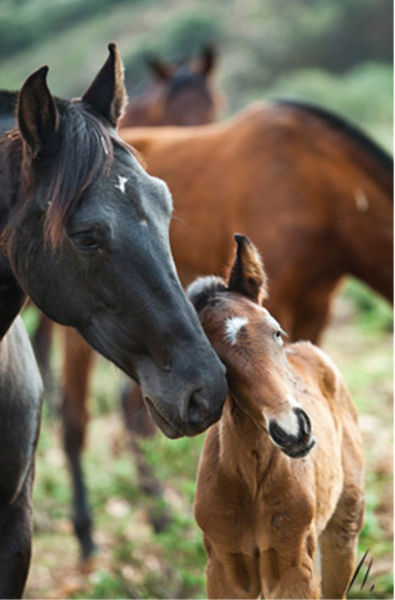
(337, 53)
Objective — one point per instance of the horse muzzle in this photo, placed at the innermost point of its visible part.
(297, 442)
(184, 406)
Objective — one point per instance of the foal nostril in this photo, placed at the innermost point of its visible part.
(304, 422)
(279, 435)
(288, 438)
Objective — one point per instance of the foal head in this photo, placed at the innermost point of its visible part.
(249, 341)
(86, 234)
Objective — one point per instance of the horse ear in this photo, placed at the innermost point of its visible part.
(162, 70)
(207, 60)
(37, 112)
(247, 275)
(107, 93)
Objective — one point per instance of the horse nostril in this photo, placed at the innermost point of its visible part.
(197, 408)
(304, 422)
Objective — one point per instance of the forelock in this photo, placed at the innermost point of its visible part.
(202, 289)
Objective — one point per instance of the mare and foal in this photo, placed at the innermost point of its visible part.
(281, 477)
(54, 245)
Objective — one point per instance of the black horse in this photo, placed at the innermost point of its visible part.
(84, 233)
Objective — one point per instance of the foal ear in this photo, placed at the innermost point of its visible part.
(162, 70)
(37, 112)
(247, 275)
(107, 93)
(207, 60)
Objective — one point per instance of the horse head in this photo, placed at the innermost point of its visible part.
(86, 235)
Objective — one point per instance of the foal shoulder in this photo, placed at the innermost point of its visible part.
(315, 366)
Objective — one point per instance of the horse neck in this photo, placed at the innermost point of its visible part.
(245, 448)
(11, 295)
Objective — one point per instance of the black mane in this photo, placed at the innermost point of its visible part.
(84, 150)
(7, 110)
(345, 127)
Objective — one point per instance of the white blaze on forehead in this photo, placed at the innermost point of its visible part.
(121, 183)
(232, 328)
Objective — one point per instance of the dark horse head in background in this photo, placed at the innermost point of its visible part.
(180, 94)
(85, 235)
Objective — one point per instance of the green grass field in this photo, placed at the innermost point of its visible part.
(133, 561)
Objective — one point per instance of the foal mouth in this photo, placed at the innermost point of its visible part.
(299, 452)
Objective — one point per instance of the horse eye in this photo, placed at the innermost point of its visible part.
(85, 240)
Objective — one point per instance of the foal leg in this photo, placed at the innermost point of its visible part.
(289, 571)
(231, 575)
(338, 541)
(15, 541)
(338, 545)
(76, 371)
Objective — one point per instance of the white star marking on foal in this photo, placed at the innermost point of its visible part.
(232, 328)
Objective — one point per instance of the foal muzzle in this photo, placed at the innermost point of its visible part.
(295, 446)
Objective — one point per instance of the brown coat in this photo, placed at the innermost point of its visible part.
(315, 198)
(281, 473)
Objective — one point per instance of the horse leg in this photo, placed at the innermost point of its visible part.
(231, 575)
(338, 543)
(135, 414)
(15, 541)
(299, 582)
(76, 371)
(290, 572)
(140, 425)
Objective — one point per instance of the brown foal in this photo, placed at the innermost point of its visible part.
(280, 479)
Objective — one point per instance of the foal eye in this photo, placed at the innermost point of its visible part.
(85, 240)
(278, 336)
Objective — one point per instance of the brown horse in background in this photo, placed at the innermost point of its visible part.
(311, 190)
(281, 473)
(179, 95)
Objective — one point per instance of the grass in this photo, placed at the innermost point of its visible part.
(135, 562)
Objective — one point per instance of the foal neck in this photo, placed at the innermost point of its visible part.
(246, 449)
